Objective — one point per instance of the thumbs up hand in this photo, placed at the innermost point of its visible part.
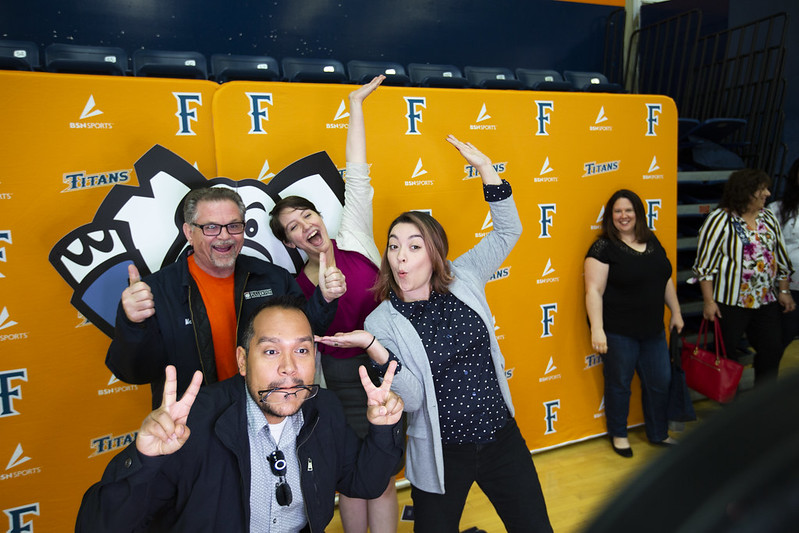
(331, 280)
(137, 299)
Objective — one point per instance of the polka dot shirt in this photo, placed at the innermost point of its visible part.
(470, 404)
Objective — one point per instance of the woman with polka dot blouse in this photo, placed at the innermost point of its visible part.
(435, 321)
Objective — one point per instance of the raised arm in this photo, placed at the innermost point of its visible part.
(492, 250)
(136, 354)
(132, 491)
(356, 232)
(356, 132)
(478, 160)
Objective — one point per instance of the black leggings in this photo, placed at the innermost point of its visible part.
(763, 331)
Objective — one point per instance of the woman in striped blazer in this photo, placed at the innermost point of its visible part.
(744, 271)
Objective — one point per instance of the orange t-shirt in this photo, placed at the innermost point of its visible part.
(217, 294)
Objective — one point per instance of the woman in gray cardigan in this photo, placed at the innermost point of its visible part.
(435, 321)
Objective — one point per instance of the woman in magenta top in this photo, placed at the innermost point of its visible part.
(298, 224)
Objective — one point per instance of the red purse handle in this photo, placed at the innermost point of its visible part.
(716, 336)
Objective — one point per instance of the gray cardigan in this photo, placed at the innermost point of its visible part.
(424, 466)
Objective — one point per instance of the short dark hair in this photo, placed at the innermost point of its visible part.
(282, 301)
(740, 187)
(209, 194)
(437, 245)
(642, 231)
(289, 202)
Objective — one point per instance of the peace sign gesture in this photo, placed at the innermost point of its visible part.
(384, 407)
(164, 431)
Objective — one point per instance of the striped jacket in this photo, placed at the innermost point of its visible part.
(719, 254)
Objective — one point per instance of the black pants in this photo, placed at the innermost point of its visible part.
(763, 331)
(503, 469)
(790, 323)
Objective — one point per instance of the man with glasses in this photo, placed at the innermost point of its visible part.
(264, 451)
(190, 313)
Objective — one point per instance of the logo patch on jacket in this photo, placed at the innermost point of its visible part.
(263, 293)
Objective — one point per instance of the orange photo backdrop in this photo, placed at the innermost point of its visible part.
(70, 140)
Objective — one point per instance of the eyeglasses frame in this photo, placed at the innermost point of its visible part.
(313, 390)
(220, 226)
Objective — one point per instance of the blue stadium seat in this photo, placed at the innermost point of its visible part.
(364, 71)
(428, 75)
(591, 82)
(226, 67)
(492, 78)
(543, 80)
(705, 145)
(19, 55)
(718, 129)
(82, 59)
(170, 64)
(311, 70)
(685, 126)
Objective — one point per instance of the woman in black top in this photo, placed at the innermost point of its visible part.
(627, 281)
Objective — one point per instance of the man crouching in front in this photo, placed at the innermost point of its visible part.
(262, 451)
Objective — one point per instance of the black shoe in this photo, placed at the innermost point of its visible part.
(624, 452)
(665, 444)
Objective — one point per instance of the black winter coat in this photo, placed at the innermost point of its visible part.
(205, 486)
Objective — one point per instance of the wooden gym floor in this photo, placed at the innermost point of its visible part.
(578, 479)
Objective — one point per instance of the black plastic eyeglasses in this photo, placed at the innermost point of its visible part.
(283, 394)
(277, 462)
(212, 230)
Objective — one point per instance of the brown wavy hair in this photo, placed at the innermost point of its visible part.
(437, 246)
(740, 187)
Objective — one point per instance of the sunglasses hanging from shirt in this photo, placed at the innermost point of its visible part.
(277, 462)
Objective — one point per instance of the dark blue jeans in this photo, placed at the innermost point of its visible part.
(503, 469)
(650, 358)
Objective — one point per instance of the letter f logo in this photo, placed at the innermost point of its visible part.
(185, 113)
(652, 113)
(414, 115)
(544, 110)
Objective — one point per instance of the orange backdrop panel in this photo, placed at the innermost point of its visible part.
(68, 139)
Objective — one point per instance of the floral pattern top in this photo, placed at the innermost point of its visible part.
(743, 263)
(759, 264)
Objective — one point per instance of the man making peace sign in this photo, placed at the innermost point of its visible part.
(265, 450)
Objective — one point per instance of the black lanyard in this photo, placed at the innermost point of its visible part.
(740, 230)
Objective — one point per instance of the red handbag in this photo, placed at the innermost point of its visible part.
(709, 373)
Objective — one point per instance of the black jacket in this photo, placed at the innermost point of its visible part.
(180, 334)
(205, 486)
